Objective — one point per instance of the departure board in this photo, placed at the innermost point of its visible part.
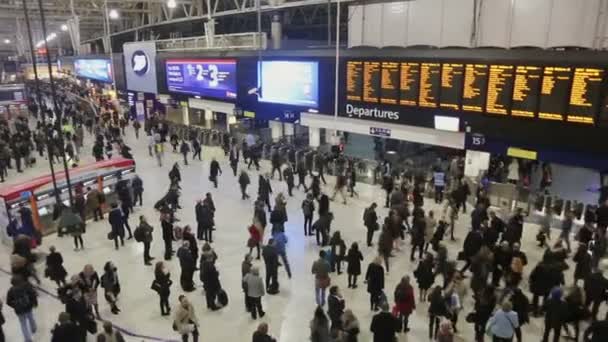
(500, 87)
(554, 91)
(389, 83)
(526, 87)
(452, 76)
(585, 95)
(354, 80)
(429, 84)
(410, 81)
(474, 89)
(371, 81)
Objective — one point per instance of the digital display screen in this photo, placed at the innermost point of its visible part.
(585, 95)
(389, 83)
(354, 80)
(500, 86)
(214, 78)
(371, 81)
(94, 69)
(474, 90)
(452, 76)
(289, 82)
(429, 84)
(524, 102)
(554, 93)
(409, 84)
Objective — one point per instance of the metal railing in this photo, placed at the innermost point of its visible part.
(235, 41)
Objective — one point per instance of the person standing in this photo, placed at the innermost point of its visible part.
(308, 209)
(54, 267)
(353, 258)
(117, 221)
(138, 189)
(384, 325)
(167, 228)
(210, 278)
(187, 265)
(64, 331)
(125, 208)
(504, 324)
(233, 157)
(23, 299)
(145, 231)
(405, 303)
(261, 334)
(319, 326)
(244, 181)
(271, 261)
(162, 285)
(321, 269)
(93, 203)
(370, 220)
(185, 320)
(302, 172)
(89, 283)
(204, 218)
(335, 307)
(289, 178)
(214, 170)
(255, 291)
(597, 331)
(374, 277)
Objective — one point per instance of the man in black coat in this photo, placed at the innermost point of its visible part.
(187, 265)
(472, 245)
(271, 261)
(65, 330)
(275, 160)
(596, 332)
(234, 158)
(596, 290)
(211, 283)
(370, 220)
(138, 190)
(167, 228)
(264, 190)
(289, 179)
(214, 170)
(117, 221)
(602, 215)
(384, 325)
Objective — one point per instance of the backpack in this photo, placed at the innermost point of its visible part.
(139, 234)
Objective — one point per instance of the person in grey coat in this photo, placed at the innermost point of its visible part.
(255, 291)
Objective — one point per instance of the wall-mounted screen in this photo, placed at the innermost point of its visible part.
(214, 78)
(95, 69)
(289, 82)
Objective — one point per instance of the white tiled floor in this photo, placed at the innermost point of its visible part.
(287, 313)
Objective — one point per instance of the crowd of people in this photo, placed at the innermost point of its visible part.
(492, 269)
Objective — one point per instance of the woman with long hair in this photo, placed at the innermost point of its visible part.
(162, 285)
(111, 285)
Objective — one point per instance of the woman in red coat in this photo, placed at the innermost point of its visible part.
(255, 239)
(404, 303)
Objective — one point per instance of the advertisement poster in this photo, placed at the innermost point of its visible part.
(140, 111)
(215, 78)
(289, 82)
(95, 69)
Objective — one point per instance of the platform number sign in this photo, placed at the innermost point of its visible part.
(380, 132)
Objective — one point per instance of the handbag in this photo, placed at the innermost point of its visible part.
(471, 317)
(110, 236)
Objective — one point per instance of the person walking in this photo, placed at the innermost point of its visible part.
(255, 291)
(556, 311)
(185, 320)
(214, 170)
(335, 307)
(23, 299)
(264, 190)
(89, 284)
(353, 258)
(108, 334)
(184, 149)
(504, 324)
(437, 309)
(125, 208)
(370, 220)
(321, 269)
(233, 157)
(484, 306)
(54, 267)
(405, 303)
(374, 277)
(162, 285)
(144, 233)
(244, 182)
(117, 221)
(280, 242)
(261, 334)
(246, 266)
(111, 285)
(319, 326)
(384, 325)
(302, 172)
(289, 178)
(425, 276)
(308, 209)
(350, 326)
(64, 331)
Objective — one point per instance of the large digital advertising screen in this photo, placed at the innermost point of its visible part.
(289, 82)
(214, 78)
(95, 69)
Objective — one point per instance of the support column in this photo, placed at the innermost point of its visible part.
(276, 130)
(208, 118)
(314, 137)
(276, 32)
(186, 115)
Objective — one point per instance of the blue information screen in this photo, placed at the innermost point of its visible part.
(203, 77)
(289, 82)
(95, 69)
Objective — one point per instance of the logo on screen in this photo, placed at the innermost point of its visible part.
(140, 63)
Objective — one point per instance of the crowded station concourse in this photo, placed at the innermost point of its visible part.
(229, 256)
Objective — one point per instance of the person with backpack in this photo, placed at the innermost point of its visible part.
(370, 220)
(23, 299)
(143, 234)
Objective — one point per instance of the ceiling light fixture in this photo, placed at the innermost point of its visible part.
(171, 4)
(64, 27)
(113, 14)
